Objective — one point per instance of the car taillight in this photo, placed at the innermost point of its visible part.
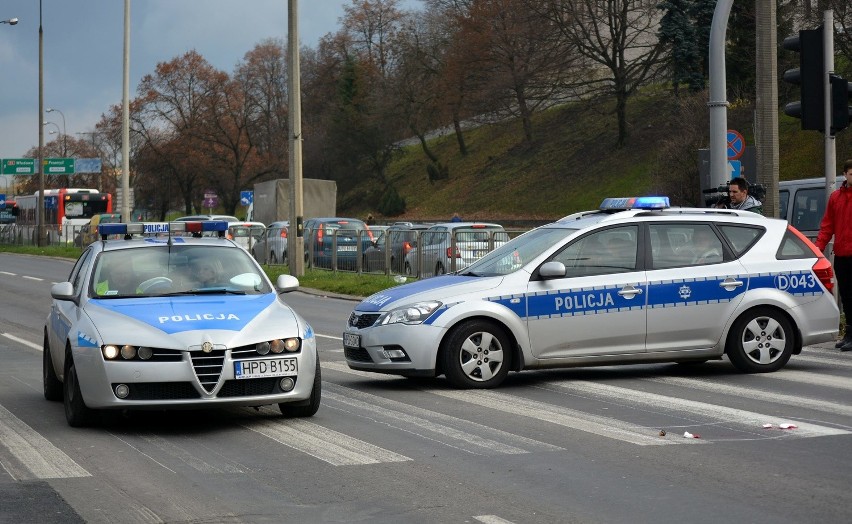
(822, 267)
(450, 252)
(406, 247)
(283, 233)
(319, 236)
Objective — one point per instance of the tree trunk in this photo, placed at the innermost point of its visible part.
(459, 133)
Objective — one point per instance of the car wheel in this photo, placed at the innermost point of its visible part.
(52, 385)
(439, 269)
(408, 269)
(76, 412)
(760, 341)
(272, 258)
(476, 355)
(308, 407)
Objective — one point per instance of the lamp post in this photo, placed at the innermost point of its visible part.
(64, 131)
(41, 230)
(10, 21)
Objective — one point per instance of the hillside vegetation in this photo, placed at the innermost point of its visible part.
(572, 163)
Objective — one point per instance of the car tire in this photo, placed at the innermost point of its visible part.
(408, 269)
(306, 408)
(77, 413)
(439, 269)
(272, 258)
(761, 341)
(476, 355)
(52, 385)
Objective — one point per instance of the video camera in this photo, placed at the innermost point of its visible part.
(719, 197)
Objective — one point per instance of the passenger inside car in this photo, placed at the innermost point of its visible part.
(206, 273)
(117, 278)
(706, 247)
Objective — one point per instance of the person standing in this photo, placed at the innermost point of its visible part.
(837, 223)
(740, 199)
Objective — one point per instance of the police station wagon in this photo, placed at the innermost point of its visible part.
(175, 322)
(633, 282)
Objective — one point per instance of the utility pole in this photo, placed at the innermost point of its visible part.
(296, 256)
(766, 105)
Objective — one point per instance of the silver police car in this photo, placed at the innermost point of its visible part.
(633, 282)
(175, 322)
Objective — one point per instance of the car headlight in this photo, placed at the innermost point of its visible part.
(410, 314)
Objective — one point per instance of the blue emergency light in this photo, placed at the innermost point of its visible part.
(143, 228)
(646, 202)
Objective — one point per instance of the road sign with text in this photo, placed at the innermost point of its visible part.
(58, 166)
(18, 166)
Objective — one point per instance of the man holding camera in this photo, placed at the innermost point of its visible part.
(740, 199)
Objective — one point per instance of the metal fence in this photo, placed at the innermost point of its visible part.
(14, 234)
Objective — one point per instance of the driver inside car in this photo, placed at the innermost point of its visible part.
(117, 278)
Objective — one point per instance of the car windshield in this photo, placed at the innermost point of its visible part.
(516, 253)
(176, 270)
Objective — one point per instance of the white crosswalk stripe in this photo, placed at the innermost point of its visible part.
(473, 438)
(810, 377)
(34, 457)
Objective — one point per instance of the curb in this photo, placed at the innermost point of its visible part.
(329, 294)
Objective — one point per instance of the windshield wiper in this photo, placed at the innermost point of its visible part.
(203, 291)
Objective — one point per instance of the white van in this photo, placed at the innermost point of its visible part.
(802, 203)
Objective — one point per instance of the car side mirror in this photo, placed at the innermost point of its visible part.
(552, 269)
(62, 291)
(286, 283)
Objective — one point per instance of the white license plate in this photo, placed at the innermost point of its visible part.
(351, 340)
(347, 248)
(278, 367)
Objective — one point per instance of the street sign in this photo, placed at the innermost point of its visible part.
(735, 169)
(18, 166)
(211, 199)
(51, 202)
(87, 165)
(58, 166)
(2, 201)
(246, 197)
(736, 144)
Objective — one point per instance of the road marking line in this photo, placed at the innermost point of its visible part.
(569, 418)
(36, 453)
(828, 361)
(186, 457)
(756, 394)
(32, 278)
(492, 519)
(409, 417)
(663, 404)
(7, 273)
(810, 377)
(22, 341)
(325, 444)
(328, 336)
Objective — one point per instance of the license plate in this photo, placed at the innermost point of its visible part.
(279, 367)
(347, 248)
(351, 340)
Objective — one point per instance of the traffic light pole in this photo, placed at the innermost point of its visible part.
(828, 69)
(718, 102)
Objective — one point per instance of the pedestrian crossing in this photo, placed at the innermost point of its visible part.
(356, 427)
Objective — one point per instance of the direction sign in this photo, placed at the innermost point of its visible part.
(211, 199)
(735, 169)
(736, 144)
(2, 201)
(87, 165)
(246, 197)
(58, 166)
(18, 166)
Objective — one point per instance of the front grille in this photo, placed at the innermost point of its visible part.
(208, 367)
(249, 387)
(161, 391)
(363, 320)
(358, 355)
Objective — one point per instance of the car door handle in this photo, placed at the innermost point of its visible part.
(731, 284)
(630, 291)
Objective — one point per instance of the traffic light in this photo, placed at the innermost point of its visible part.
(841, 113)
(809, 77)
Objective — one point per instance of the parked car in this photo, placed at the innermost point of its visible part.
(272, 247)
(352, 238)
(451, 246)
(802, 203)
(89, 232)
(399, 239)
(246, 234)
(196, 218)
(632, 283)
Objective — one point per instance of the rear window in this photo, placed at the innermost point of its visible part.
(741, 238)
(793, 247)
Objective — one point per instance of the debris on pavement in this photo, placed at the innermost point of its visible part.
(687, 434)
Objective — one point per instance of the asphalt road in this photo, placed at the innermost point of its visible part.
(580, 445)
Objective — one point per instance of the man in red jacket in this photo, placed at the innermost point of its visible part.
(837, 223)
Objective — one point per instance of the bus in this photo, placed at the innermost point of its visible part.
(8, 213)
(66, 211)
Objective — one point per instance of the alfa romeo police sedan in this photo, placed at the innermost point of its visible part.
(175, 322)
(633, 282)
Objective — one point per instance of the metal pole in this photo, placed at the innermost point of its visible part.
(718, 103)
(125, 121)
(828, 68)
(297, 259)
(766, 110)
(40, 234)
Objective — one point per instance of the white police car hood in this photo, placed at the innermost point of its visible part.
(436, 288)
(180, 322)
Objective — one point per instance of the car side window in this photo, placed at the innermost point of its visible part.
(704, 246)
(77, 272)
(808, 209)
(741, 238)
(793, 247)
(602, 252)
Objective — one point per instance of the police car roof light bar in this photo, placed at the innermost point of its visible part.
(623, 204)
(139, 228)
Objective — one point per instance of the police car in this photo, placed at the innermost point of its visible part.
(633, 282)
(175, 322)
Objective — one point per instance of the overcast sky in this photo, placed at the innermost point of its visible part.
(83, 51)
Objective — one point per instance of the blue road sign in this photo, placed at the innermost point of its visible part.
(735, 168)
(246, 197)
(736, 144)
(2, 201)
(87, 165)
(50, 202)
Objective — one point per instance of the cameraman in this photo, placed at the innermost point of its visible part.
(739, 197)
